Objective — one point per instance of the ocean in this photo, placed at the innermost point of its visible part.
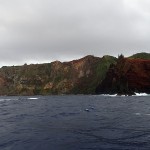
(75, 122)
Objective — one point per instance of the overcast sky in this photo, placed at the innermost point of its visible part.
(36, 31)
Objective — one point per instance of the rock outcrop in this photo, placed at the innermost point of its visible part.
(126, 77)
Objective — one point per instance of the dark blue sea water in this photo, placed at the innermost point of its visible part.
(75, 123)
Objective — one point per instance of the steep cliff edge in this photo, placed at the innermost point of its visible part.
(88, 75)
(75, 77)
(126, 77)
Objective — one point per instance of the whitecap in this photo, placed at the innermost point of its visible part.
(33, 98)
(141, 94)
(7, 99)
(87, 110)
(137, 114)
(122, 95)
(109, 95)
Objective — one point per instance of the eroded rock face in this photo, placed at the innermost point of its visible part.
(75, 77)
(82, 76)
(127, 77)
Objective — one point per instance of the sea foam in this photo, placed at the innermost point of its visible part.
(141, 94)
(33, 98)
(109, 95)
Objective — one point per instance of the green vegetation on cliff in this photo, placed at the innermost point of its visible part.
(141, 56)
(104, 65)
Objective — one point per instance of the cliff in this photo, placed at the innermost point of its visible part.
(75, 77)
(126, 77)
(88, 75)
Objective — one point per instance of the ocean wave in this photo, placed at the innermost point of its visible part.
(147, 114)
(141, 94)
(33, 98)
(6, 99)
(109, 95)
(143, 114)
(136, 94)
(113, 95)
(138, 114)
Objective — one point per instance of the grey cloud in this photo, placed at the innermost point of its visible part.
(45, 30)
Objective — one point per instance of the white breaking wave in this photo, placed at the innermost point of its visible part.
(136, 94)
(141, 94)
(33, 98)
(7, 99)
(109, 95)
(138, 114)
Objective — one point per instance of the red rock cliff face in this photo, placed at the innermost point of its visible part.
(128, 76)
(75, 77)
(138, 74)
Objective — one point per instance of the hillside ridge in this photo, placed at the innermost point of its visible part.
(86, 75)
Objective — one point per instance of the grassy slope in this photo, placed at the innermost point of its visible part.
(104, 65)
(141, 56)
